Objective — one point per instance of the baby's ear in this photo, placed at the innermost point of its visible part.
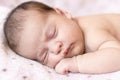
(64, 13)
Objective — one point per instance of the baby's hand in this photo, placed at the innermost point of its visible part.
(66, 65)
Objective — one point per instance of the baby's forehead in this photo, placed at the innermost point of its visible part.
(33, 29)
(35, 15)
(34, 20)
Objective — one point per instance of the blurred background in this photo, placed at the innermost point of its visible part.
(76, 7)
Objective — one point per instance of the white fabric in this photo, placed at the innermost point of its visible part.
(15, 67)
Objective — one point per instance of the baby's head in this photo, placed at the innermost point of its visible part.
(37, 31)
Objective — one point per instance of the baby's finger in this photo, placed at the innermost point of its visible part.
(62, 69)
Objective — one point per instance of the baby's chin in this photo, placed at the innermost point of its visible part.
(72, 55)
(76, 51)
(53, 65)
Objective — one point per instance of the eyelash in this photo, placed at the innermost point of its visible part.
(45, 57)
(43, 53)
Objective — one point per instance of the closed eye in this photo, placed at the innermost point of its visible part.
(42, 55)
(50, 33)
(45, 58)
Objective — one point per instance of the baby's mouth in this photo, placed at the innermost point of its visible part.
(67, 50)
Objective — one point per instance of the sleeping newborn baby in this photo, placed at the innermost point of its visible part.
(85, 44)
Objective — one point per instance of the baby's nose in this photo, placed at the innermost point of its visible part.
(58, 47)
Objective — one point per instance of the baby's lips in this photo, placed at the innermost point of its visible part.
(68, 49)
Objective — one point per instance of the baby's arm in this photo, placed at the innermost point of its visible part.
(105, 59)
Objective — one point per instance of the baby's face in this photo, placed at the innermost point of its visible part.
(51, 39)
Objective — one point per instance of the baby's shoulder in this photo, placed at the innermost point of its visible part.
(95, 37)
(100, 24)
(98, 20)
(99, 28)
(93, 22)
